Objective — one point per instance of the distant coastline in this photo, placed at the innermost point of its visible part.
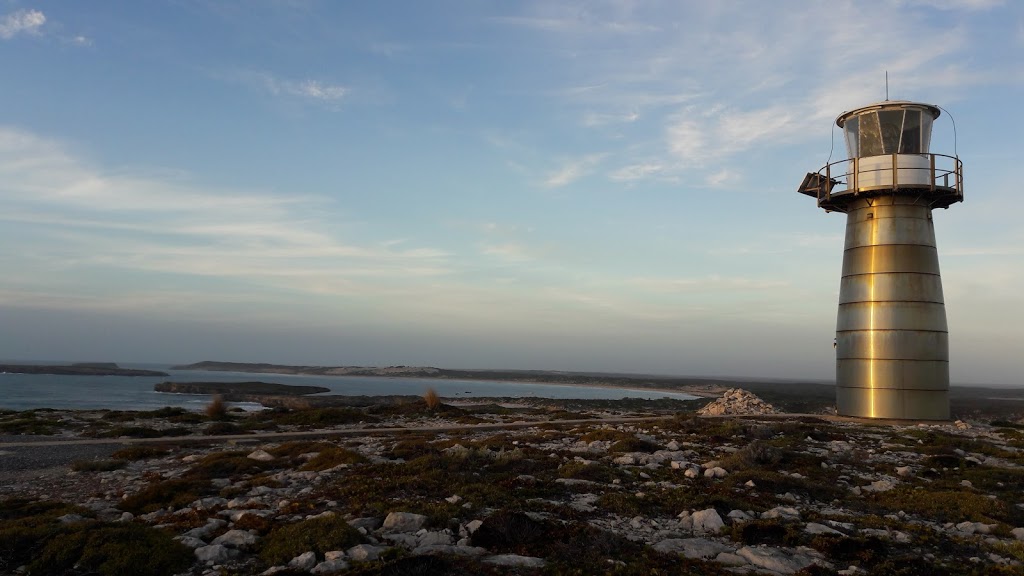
(689, 385)
(78, 369)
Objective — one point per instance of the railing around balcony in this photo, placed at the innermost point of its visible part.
(936, 176)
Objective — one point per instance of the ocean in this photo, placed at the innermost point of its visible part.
(29, 391)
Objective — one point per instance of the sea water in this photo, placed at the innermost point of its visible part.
(28, 391)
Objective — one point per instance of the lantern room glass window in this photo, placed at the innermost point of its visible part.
(879, 132)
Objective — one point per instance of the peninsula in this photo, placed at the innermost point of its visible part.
(79, 369)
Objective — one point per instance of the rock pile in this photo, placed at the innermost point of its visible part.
(738, 402)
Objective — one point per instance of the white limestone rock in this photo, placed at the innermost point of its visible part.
(738, 402)
(777, 560)
(330, 566)
(365, 552)
(782, 513)
(515, 560)
(707, 521)
(715, 472)
(260, 456)
(815, 528)
(215, 554)
(236, 539)
(305, 561)
(443, 549)
(404, 522)
(697, 548)
(203, 532)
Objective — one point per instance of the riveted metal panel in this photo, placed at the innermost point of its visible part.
(891, 258)
(893, 374)
(898, 404)
(880, 209)
(892, 316)
(893, 345)
(877, 231)
(889, 287)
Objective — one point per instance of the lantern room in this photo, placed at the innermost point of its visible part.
(889, 152)
(892, 127)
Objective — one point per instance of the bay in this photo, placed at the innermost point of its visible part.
(31, 391)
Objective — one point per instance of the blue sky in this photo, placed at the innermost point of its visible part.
(560, 185)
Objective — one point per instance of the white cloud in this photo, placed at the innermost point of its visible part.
(508, 251)
(85, 218)
(81, 40)
(573, 170)
(21, 22)
(717, 82)
(317, 90)
(713, 283)
(637, 171)
(309, 89)
(954, 4)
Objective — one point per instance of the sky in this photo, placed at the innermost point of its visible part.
(592, 186)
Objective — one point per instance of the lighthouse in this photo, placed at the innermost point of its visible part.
(892, 341)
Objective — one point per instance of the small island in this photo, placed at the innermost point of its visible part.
(79, 369)
(237, 388)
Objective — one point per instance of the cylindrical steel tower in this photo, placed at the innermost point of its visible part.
(892, 346)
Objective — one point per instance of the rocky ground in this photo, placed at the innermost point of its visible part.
(677, 494)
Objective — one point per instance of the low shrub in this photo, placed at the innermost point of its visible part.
(217, 409)
(111, 550)
(140, 452)
(320, 417)
(174, 493)
(316, 534)
(772, 532)
(634, 445)
(223, 429)
(97, 465)
(141, 432)
(227, 464)
(333, 456)
(432, 399)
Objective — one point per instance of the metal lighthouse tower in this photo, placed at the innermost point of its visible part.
(892, 342)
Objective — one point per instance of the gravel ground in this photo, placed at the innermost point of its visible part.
(21, 463)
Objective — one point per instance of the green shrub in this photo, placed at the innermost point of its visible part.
(331, 457)
(594, 472)
(317, 534)
(111, 550)
(223, 429)
(634, 445)
(30, 425)
(174, 493)
(320, 417)
(227, 464)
